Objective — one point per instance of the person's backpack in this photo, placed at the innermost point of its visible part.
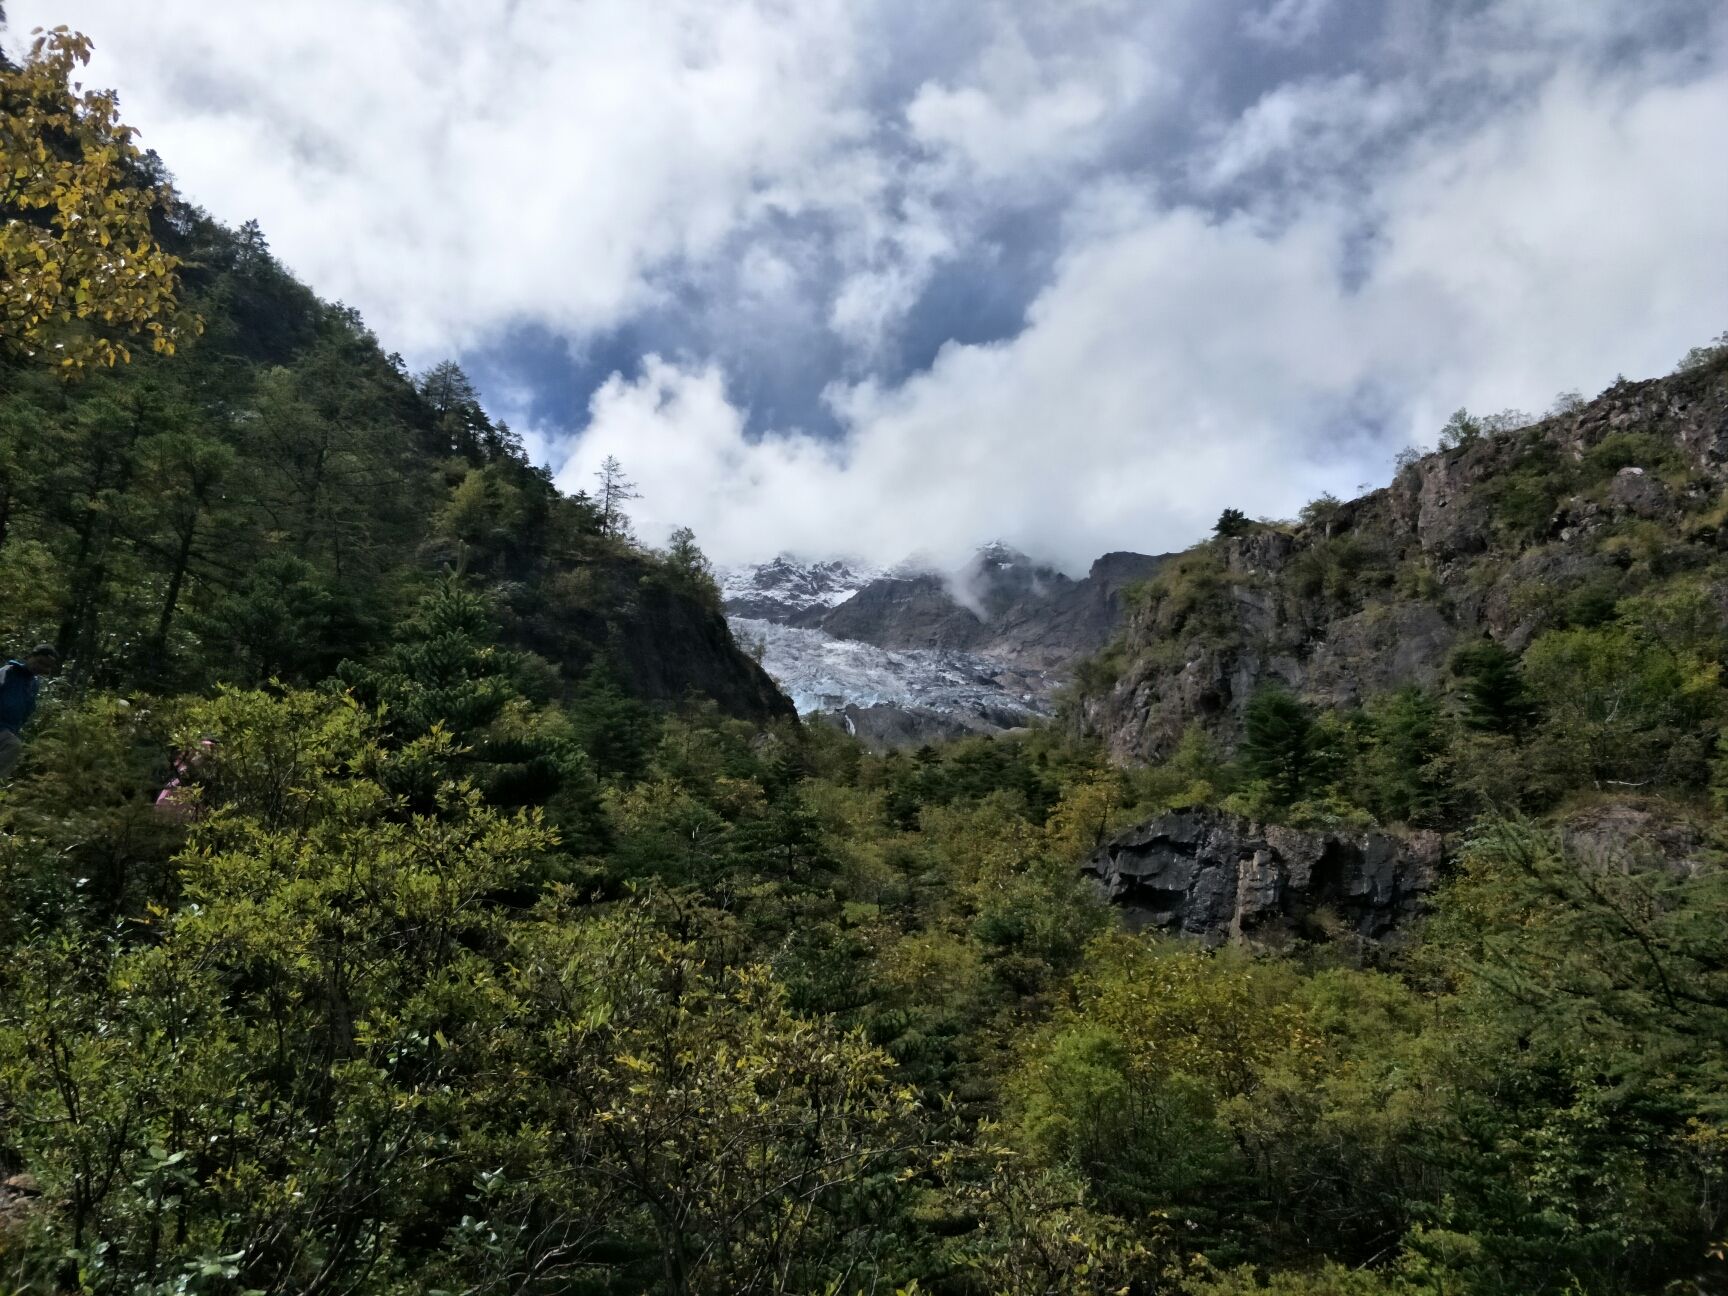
(18, 687)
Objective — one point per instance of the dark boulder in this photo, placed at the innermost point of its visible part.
(1638, 492)
(1216, 876)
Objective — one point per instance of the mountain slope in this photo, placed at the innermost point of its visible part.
(277, 496)
(1002, 604)
(1509, 534)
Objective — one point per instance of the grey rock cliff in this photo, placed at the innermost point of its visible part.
(1216, 876)
(1375, 593)
(903, 612)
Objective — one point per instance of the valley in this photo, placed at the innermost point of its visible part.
(905, 656)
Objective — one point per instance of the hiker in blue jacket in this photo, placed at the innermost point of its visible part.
(19, 683)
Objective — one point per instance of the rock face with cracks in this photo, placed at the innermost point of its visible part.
(1215, 876)
(1505, 536)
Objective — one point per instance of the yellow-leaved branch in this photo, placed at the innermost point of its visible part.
(79, 264)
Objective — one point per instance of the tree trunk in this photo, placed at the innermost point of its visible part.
(181, 562)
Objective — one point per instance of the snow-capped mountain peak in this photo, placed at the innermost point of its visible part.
(998, 553)
(787, 586)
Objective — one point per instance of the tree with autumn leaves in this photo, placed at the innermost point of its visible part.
(80, 267)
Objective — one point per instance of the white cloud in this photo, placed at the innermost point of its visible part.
(1504, 205)
(1286, 22)
(453, 167)
(1179, 364)
(1118, 419)
(1568, 243)
(1051, 126)
(1314, 126)
(683, 443)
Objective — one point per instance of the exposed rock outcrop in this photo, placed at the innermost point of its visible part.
(903, 612)
(19, 1194)
(1639, 492)
(1067, 620)
(1634, 832)
(1516, 532)
(1216, 876)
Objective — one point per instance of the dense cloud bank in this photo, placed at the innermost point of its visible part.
(870, 278)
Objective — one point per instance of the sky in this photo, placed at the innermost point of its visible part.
(877, 277)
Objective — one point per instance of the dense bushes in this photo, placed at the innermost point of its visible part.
(496, 989)
(1546, 1107)
(793, 1015)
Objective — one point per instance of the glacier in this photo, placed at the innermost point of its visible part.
(824, 674)
(909, 654)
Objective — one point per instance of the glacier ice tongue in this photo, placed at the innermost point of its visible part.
(822, 673)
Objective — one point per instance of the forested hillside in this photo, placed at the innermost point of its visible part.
(273, 499)
(407, 887)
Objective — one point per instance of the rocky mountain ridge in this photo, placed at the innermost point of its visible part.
(1506, 534)
(784, 590)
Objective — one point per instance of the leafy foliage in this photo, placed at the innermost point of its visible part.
(1699, 357)
(1282, 747)
(1493, 689)
(1232, 522)
(79, 260)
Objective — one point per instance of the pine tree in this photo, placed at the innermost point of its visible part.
(614, 492)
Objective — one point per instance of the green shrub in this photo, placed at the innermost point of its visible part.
(1282, 746)
(1232, 522)
(1188, 599)
(1492, 689)
(1619, 707)
(1527, 490)
(1701, 357)
(1620, 450)
(1196, 774)
(1338, 568)
(1097, 675)
(1400, 773)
